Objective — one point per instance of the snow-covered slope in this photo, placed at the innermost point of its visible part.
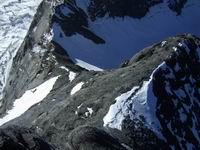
(95, 32)
(30, 98)
(15, 19)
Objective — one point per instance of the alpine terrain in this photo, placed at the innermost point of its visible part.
(99, 75)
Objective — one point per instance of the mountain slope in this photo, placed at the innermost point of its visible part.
(174, 84)
(22, 139)
(151, 119)
(150, 102)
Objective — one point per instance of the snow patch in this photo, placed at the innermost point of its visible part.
(163, 43)
(174, 48)
(87, 66)
(38, 50)
(89, 112)
(48, 37)
(118, 111)
(72, 76)
(29, 98)
(64, 68)
(77, 88)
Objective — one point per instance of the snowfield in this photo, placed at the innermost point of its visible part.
(15, 20)
(30, 98)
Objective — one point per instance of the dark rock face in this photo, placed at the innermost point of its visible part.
(140, 137)
(118, 8)
(75, 22)
(91, 138)
(177, 5)
(18, 138)
(176, 87)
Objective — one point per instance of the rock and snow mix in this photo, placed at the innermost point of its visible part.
(38, 50)
(89, 112)
(143, 103)
(78, 107)
(29, 98)
(64, 68)
(77, 88)
(119, 110)
(72, 75)
(15, 20)
(167, 100)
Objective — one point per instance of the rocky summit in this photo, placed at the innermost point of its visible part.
(99, 75)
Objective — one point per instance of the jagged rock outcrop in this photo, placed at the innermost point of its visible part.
(177, 6)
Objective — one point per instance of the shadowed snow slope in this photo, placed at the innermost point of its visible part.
(106, 41)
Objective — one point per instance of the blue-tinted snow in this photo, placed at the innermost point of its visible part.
(125, 37)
